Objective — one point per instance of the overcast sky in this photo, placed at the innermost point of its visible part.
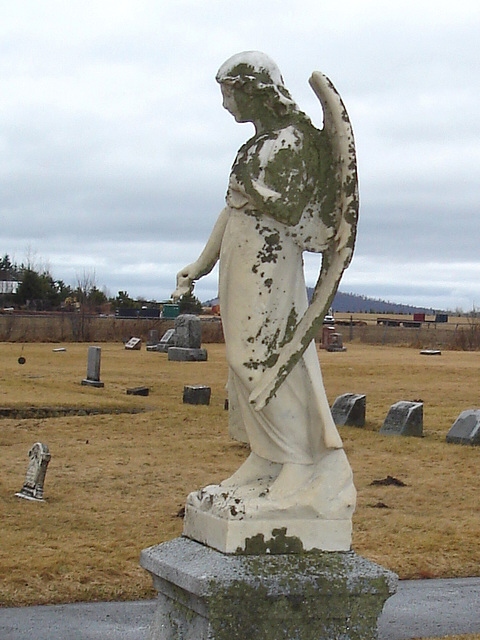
(115, 150)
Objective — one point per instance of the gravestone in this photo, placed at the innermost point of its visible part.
(35, 479)
(326, 333)
(196, 394)
(187, 340)
(93, 367)
(164, 343)
(404, 419)
(349, 409)
(152, 338)
(336, 342)
(134, 344)
(466, 428)
(138, 391)
(181, 354)
(188, 331)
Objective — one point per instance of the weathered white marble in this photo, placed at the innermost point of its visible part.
(292, 189)
(37, 468)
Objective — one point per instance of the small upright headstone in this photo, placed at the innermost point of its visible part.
(35, 479)
(349, 409)
(327, 330)
(164, 343)
(187, 339)
(466, 428)
(152, 338)
(336, 342)
(404, 419)
(134, 344)
(93, 367)
(197, 394)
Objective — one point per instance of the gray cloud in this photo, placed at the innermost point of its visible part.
(115, 149)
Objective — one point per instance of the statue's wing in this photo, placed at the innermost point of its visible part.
(338, 254)
(338, 128)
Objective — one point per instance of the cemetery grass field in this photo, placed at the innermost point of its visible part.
(117, 480)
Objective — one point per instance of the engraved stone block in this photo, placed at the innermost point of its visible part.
(349, 409)
(196, 394)
(404, 419)
(188, 331)
(466, 428)
(181, 354)
(138, 391)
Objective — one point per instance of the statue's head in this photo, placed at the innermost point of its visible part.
(254, 81)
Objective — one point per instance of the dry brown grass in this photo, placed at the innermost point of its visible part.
(116, 482)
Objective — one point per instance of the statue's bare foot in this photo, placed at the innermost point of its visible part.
(254, 469)
(291, 479)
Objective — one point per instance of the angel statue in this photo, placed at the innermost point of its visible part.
(292, 188)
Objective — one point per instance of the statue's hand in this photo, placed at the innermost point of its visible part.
(185, 281)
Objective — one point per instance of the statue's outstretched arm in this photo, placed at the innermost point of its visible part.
(338, 254)
(206, 260)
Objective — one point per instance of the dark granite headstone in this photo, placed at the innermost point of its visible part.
(138, 391)
(349, 409)
(466, 428)
(404, 419)
(197, 394)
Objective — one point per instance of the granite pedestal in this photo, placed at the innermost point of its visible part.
(206, 595)
(184, 354)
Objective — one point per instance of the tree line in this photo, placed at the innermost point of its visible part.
(30, 287)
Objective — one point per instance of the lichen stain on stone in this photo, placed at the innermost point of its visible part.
(280, 543)
(306, 596)
(290, 327)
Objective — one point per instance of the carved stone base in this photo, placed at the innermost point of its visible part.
(282, 509)
(184, 354)
(92, 383)
(206, 595)
(26, 496)
(266, 536)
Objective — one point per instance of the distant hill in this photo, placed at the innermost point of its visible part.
(354, 303)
